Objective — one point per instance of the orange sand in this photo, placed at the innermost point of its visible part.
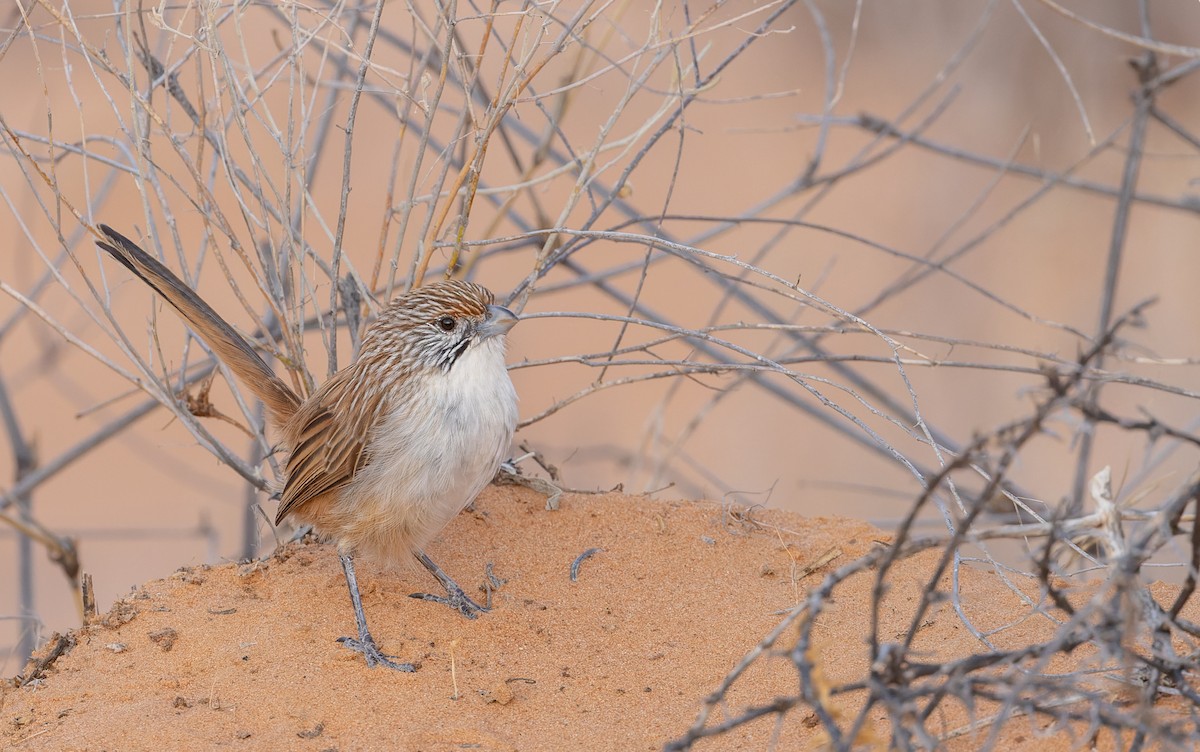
(243, 656)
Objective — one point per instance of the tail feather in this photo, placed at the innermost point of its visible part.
(281, 402)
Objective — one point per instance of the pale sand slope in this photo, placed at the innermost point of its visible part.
(244, 657)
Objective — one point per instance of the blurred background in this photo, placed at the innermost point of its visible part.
(851, 237)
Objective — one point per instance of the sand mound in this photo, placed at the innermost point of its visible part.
(243, 656)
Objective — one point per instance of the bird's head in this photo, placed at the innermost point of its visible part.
(434, 325)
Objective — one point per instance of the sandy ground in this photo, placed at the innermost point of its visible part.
(244, 657)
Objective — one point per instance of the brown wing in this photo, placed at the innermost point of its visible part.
(327, 443)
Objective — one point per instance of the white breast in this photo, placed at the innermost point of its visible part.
(430, 459)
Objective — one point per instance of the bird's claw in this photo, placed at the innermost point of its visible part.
(373, 655)
(456, 599)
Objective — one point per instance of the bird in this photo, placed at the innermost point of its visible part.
(387, 451)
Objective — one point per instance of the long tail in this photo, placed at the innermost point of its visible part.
(281, 402)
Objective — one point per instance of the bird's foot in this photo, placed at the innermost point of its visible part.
(300, 533)
(365, 645)
(456, 599)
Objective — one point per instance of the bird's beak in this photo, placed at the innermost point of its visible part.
(499, 321)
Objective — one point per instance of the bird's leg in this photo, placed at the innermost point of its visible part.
(365, 644)
(455, 598)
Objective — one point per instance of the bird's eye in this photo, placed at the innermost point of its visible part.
(446, 323)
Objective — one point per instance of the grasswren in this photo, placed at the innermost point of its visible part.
(385, 453)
